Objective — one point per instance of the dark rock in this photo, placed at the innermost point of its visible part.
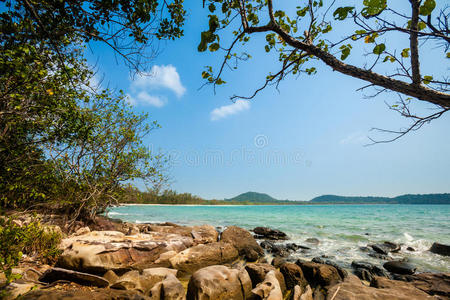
(363, 274)
(278, 261)
(364, 249)
(400, 267)
(270, 234)
(373, 269)
(380, 256)
(258, 272)
(319, 274)
(267, 245)
(275, 249)
(431, 283)
(243, 241)
(342, 272)
(55, 274)
(440, 249)
(386, 247)
(312, 241)
(293, 275)
(410, 249)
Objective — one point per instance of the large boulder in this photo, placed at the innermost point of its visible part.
(293, 275)
(431, 283)
(258, 272)
(269, 289)
(201, 234)
(55, 274)
(319, 274)
(203, 255)
(386, 247)
(168, 289)
(219, 283)
(143, 281)
(99, 251)
(353, 289)
(243, 241)
(440, 249)
(366, 270)
(270, 234)
(400, 267)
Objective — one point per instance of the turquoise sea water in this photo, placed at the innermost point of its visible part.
(341, 229)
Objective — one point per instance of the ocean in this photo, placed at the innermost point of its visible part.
(341, 229)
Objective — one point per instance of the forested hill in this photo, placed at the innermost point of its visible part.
(253, 197)
(403, 199)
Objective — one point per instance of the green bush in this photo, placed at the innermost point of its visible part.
(32, 239)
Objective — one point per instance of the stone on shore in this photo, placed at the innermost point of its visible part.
(258, 272)
(269, 289)
(431, 283)
(74, 293)
(203, 255)
(219, 283)
(99, 251)
(142, 281)
(319, 274)
(270, 234)
(243, 241)
(353, 289)
(168, 289)
(293, 275)
(55, 274)
(366, 270)
(385, 248)
(400, 267)
(440, 249)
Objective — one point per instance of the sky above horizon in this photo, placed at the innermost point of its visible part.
(303, 140)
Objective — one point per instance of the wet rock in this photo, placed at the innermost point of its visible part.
(243, 241)
(293, 275)
(276, 249)
(411, 249)
(440, 249)
(353, 289)
(168, 289)
(371, 268)
(278, 261)
(364, 249)
(400, 267)
(203, 255)
(363, 274)
(54, 274)
(269, 289)
(313, 241)
(342, 272)
(319, 274)
(431, 283)
(99, 251)
(220, 283)
(258, 272)
(270, 234)
(380, 256)
(385, 248)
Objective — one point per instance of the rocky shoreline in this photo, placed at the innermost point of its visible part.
(118, 260)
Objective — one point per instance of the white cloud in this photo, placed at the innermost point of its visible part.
(228, 110)
(160, 77)
(146, 99)
(357, 137)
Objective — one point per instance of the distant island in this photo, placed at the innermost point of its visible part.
(253, 198)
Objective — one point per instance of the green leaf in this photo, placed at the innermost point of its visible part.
(405, 52)
(427, 79)
(373, 7)
(342, 12)
(214, 47)
(448, 54)
(427, 7)
(378, 49)
(212, 7)
(345, 51)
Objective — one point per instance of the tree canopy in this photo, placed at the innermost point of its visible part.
(391, 36)
(63, 140)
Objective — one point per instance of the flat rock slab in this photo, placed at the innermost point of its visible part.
(269, 233)
(55, 274)
(400, 267)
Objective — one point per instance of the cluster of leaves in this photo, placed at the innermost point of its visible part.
(31, 239)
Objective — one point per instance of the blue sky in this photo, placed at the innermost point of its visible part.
(302, 141)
